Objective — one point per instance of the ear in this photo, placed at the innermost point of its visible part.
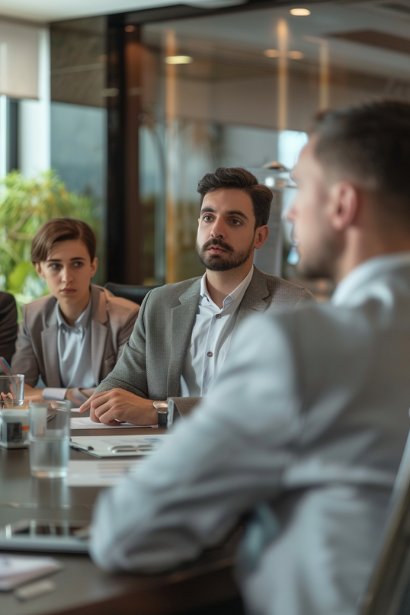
(345, 200)
(94, 266)
(261, 235)
(39, 269)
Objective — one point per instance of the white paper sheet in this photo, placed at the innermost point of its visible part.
(97, 473)
(85, 422)
(18, 569)
(117, 446)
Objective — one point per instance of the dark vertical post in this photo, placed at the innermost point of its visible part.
(124, 210)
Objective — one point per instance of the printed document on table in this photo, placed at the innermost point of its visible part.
(84, 422)
(18, 569)
(97, 473)
(117, 446)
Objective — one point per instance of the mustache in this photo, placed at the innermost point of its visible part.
(217, 242)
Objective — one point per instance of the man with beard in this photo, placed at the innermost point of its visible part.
(184, 331)
(306, 423)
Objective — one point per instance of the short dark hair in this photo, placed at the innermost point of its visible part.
(240, 179)
(61, 229)
(370, 143)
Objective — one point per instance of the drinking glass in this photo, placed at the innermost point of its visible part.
(49, 436)
(13, 416)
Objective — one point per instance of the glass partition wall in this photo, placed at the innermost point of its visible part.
(240, 89)
(234, 87)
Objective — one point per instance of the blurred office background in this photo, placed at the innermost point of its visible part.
(131, 102)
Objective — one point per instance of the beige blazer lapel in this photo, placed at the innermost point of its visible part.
(50, 354)
(182, 322)
(99, 331)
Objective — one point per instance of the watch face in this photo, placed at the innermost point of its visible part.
(160, 405)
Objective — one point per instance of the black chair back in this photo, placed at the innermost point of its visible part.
(129, 291)
(388, 592)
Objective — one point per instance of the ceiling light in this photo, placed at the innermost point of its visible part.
(299, 12)
(275, 53)
(271, 53)
(295, 55)
(178, 59)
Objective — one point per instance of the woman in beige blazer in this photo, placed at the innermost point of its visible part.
(71, 339)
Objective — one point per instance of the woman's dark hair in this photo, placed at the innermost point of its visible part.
(61, 229)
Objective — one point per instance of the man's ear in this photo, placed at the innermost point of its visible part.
(39, 269)
(345, 199)
(261, 235)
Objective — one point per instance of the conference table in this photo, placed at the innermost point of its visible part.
(81, 588)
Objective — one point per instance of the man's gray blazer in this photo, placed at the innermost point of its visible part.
(112, 320)
(153, 359)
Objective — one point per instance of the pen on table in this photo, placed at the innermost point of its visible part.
(78, 447)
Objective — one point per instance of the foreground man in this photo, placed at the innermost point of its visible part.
(185, 330)
(307, 422)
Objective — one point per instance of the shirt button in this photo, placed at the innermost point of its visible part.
(218, 315)
(209, 354)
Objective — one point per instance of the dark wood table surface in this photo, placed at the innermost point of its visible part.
(83, 589)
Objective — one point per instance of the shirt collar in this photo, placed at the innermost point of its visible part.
(234, 296)
(371, 269)
(81, 323)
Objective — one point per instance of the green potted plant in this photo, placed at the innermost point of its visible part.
(25, 204)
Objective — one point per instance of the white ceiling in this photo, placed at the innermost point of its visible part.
(53, 10)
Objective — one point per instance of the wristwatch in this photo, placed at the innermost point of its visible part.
(162, 412)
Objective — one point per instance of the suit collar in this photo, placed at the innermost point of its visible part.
(373, 272)
(256, 293)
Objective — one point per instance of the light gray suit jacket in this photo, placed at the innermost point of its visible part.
(112, 320)
(152, 361)
(309, 415)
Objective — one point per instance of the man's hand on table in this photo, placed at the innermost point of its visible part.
(119, 405)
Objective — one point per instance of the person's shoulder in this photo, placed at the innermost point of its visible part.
(114, 303)
(279, 287)
(39, 305)
(36, 313)
(176, 289)
(6, 299)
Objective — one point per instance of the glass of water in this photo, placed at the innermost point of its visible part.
(13, 413)
(49, 436)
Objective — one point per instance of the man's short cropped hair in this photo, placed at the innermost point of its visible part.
(61, 229)
(239, 179)
(369, 144)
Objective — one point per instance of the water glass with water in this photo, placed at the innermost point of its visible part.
(13, 414)
(49, 437)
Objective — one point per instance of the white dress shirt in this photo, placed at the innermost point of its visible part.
(74, 352)
(210, 339)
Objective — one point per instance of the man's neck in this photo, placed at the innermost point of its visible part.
(221, 283)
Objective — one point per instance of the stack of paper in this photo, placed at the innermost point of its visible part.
(17, 569)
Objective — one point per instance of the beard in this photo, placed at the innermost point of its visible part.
(229, 259)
